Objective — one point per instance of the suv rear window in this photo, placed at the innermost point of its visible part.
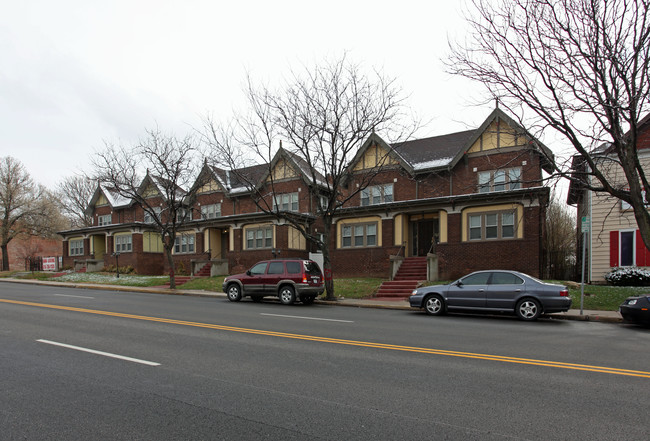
(312, 268)
(293, 267)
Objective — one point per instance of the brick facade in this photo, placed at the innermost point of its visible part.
(425, 212)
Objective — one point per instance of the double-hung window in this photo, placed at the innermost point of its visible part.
(359, 235)
(123, 243)
(184, 244)
(285, 202)
(499, 180)
(182, 215)
(148, 218)
(496, 225)
(259, 238)
(210, 211)
(104, 219)
(76, 247)
(377, 194)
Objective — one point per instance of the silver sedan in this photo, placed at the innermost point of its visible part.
(493, 291)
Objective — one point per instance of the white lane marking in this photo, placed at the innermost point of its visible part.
(70, 295)
(106, 354)
(308, 318)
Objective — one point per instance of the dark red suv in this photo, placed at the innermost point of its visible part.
(288, 279)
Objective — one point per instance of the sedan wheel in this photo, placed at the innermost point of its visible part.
(434, 305)
(287, 295)
(234, 293)
(528, 309)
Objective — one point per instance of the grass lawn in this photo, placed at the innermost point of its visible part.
(604, 297)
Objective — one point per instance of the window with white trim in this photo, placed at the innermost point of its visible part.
(123, 243)
(210, 211)
(627, 206)
(285, 202)
(104, 219)
(76, 247)
(494, 225)
(499, 180)
(377, 194)
(182, 215)
(323, 202)
(359, 235)
(148, 218)
(184, 244)
(257, 238)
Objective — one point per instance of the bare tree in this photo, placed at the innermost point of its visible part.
(158, 174)
(559, 240)
(74, 193)
(581, 68)
(25, 207)
(323, 114)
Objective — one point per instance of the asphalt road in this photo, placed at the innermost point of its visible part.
(205, 368)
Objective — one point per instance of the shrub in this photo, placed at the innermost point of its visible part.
(628, 277)
(180, 269)
(128, 269)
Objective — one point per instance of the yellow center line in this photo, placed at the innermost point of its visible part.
(504, 359)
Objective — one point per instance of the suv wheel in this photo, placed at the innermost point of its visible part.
(234, 292)
(287, 295)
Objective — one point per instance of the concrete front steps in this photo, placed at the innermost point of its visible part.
(412, 271)
(203, 272)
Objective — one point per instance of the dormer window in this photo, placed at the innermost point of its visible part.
(377, 194)
(285, 202)
(499, 180)
(210, 211)
(148, 218)
(104, 220)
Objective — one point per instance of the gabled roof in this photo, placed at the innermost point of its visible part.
(115, 200)
(444, 151)
(239, 181)
(162, 186)
(302, 167)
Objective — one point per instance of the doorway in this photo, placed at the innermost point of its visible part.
(423, 234)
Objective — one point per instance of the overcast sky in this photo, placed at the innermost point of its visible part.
(76, 73)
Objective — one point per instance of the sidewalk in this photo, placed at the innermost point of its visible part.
(572, 314)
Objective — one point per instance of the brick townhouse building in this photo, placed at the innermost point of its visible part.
(468, 200)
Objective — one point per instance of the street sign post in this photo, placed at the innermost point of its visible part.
(586, 226)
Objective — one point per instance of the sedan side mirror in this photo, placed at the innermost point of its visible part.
(248, 272)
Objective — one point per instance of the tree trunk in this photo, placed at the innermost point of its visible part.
(5, 257)
(327, 261)
(172, 272)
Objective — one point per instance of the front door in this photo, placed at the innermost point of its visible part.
(423, 233)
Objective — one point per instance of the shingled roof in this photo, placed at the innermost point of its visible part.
(434, 152)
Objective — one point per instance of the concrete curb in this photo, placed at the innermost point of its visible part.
(573, 314)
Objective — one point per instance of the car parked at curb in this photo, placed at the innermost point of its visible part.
(287, 279)
(636, 309)
(493, 291)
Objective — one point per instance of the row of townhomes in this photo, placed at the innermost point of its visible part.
(613, 240)
(469, 200)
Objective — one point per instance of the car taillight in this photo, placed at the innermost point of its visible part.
(304, 278)
(564, 293)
